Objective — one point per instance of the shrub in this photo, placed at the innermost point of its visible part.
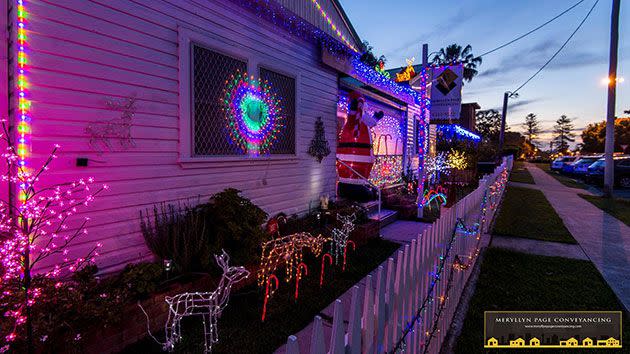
(140, 279)
(236, 226)
(179, 233)
(66, 311)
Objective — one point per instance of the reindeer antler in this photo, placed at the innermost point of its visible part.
(223, 259)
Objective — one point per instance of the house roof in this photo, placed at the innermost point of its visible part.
(307, 10)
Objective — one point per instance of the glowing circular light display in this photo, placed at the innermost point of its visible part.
(253, 113)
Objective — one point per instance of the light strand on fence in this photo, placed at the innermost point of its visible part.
(496, 189)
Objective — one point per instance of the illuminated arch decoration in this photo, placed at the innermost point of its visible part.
(253, 113)
(438, 194)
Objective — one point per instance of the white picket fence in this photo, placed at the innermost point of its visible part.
(385, 307)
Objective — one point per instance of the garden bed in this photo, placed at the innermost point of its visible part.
(240, 328)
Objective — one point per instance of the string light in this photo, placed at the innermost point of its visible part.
(253, 113)
(387, 169)
(208, 305)
(454, 131)
(340, 236)
(494, 192)
(333, 26)
(24, 103)
(287, 250)
(457, 160)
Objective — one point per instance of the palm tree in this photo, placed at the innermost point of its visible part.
(454, 54)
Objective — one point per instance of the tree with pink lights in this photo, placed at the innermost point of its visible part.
(36, 235)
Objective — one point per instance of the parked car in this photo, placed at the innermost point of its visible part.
(595, 172)
(579, 167)
(558, 163)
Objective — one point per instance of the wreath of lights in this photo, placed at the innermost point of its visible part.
(253, 113)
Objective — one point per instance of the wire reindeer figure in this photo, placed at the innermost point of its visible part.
(117, 128)
(208, 305)
(340, 236)
(288, 250)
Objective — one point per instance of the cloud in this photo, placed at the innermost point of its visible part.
(516, 106)
(450, 24)
(535, 56)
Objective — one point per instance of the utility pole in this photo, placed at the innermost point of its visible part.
(503, 116)
(609, 173)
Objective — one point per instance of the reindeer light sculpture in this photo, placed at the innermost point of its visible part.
(340, 236)
(208, 305)
(119, 128)
(287, 250)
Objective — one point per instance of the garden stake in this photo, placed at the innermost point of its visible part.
(267, 295)
(321, 275)
(345, 251)
(298, 276)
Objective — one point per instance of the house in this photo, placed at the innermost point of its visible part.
(610, 342)
(534, 342)
(518, 342)
(571, 342)
(492, 342)
(167, 101)
(468, 116)
(587, 342)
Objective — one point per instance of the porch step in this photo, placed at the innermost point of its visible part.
(371, 206)
(386, 216)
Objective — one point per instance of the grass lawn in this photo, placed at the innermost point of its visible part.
(517, 281)
(240, 328)
(521, 174)
(618, 208)
(525, 212)
(565, 180)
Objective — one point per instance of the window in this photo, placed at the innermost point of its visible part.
(284, 88)
(210, 71)
(255, 121)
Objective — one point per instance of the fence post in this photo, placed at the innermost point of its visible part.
(337, 342)
(317, 337)
(380, 308)
(292, 345)
(354, 324)
(368, 320)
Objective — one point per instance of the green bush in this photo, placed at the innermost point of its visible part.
(235, 225)
(140, 280)
(178, 232)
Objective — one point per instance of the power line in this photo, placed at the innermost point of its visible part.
(532, 31)
(559, 49)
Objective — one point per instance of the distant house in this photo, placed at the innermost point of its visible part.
(137, 95)
(587, 342)
(492, 342)
(518, 342)
(534, 342)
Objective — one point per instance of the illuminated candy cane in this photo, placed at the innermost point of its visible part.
(267, 295)
(299, 276)
(321, 275)
(345, 251)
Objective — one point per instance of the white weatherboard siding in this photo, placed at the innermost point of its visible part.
(83, 52)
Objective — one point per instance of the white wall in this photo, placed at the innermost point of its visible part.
(84, 52)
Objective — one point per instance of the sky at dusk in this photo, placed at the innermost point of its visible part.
(570, 85)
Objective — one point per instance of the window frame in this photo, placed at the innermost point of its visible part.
(255, 60)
